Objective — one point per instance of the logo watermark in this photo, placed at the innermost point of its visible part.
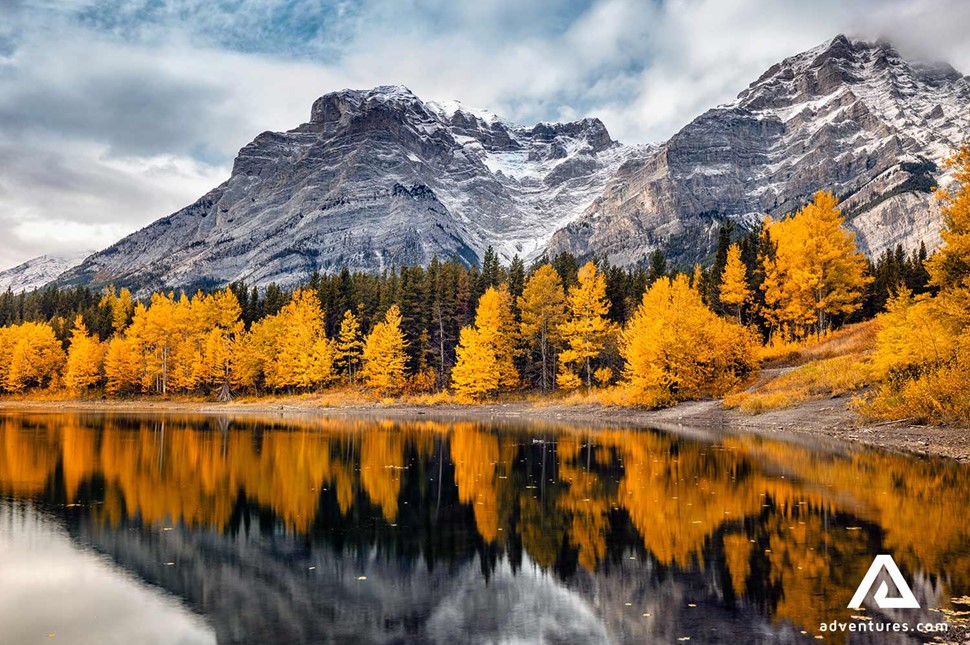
(905, 600)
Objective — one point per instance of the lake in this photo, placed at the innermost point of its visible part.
(208, 529)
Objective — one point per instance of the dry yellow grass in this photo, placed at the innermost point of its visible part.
(835, 365)
(855, 339)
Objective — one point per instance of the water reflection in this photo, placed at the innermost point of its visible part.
(377, 531)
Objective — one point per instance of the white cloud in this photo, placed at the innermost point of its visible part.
(121, 116)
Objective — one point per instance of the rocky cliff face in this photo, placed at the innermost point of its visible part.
(375, 179)
(380, 178)
(851, 117)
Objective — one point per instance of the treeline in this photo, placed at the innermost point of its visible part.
(663, 334)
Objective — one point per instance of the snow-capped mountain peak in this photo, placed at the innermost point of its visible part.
(35, 273)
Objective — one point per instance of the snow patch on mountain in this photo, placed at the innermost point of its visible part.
(34, 274)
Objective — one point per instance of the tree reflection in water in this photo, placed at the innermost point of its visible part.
(567, 522)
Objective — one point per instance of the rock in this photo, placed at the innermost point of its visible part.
(847, 116)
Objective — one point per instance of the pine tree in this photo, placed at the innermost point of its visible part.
(543, 309)
(734, 281)
(385, 360)
(586, 329)
(350, 346)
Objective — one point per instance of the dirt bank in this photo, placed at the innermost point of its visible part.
(825, 423)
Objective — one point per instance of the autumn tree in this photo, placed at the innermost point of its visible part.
(30, 356)
(542, 307)
(923, 343)
(85, 358)
(816, 272)
(121, 306)
(476, 372)
(384, 357)
(949, 267)
(675, 347)
(349, 348)
(586, 329)
(486, 352)
(734, 281)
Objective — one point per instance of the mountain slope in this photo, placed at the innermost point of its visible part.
(376, 178)
(379, 178)
(848, 116)
(39, 271)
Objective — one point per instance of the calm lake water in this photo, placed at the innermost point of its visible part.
(184, 529)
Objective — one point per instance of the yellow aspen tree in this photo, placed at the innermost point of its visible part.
(543, 309)
(496, 324)
(675, 347)
(85, 358)
(350, 346)
(36, 357)
(122, 365)
(734, 281)
(817, 272)
(384, 359)
(587, 328)
(122, 307)
(7, 341)
(220, 328)
(949, 267)
(476, 371)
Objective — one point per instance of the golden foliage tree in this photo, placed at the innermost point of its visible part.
(121, 305)
(734, 281)
(923, 344)
(476, 372)
(384, 359)
(350, 347)
(288, 349)
(122, 365)
(543, 309)
(30, 356)
(586, 329)
(85, 358)
(949, 267)
(674, 347)
(490, 345)
(816, 271)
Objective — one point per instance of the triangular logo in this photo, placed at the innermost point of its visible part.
(906, 599)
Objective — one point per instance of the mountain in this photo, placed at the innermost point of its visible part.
(849, 116)
(376, 178)
(379, 178)
(39, 271)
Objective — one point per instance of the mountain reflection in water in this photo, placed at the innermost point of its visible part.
(354, 531)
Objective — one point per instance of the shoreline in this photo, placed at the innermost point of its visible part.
(825, 423)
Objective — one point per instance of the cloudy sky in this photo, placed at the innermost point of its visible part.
(114, 113)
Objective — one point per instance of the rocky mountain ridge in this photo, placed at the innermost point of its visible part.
(374, 179)
(848, 116)
(378, 178)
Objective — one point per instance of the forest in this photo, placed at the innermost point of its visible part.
(646, 335)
